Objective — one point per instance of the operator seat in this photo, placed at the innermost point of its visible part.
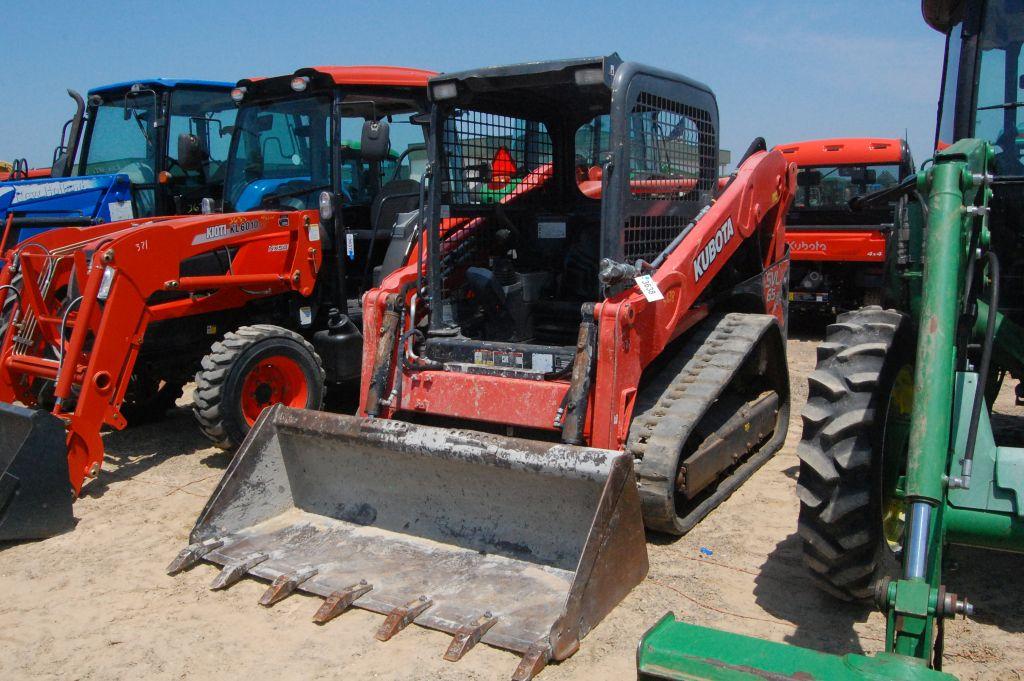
(394, 198)
(397, 196)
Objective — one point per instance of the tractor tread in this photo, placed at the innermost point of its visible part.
(839, 531)
(672, 405)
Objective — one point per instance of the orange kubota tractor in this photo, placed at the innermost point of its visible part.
(587, 337)
(112, 320)
(839, 252)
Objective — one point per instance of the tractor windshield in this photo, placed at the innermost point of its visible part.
(1000, 96)
(280, 154)
(121, 138)
(829, 189)
(205, 117)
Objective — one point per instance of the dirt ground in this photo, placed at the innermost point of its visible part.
(95, 603)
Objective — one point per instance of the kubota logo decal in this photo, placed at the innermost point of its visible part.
(711, 250)
(810, 246)
(218, 232)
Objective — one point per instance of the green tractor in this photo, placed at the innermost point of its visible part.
(898, 456)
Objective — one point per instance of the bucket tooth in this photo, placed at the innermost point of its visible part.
(285, 585)
(533, 662)
(339, 601)
(192, 554)
(468, 636)
(402, 616)
(235, 570)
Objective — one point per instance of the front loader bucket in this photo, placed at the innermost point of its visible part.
(521, 544)
(35, 492)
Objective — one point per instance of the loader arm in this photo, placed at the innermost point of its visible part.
(89, 295)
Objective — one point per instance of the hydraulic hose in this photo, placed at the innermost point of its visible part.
(983, 370)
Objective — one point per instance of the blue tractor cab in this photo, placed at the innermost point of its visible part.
(134, 149)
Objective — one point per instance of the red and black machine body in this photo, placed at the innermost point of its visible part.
(839, 252)
(587, 335)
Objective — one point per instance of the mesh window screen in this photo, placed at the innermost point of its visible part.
(672, 160)
(647, 235)
(488, 157)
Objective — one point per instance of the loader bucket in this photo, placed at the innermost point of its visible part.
(524, 545)
(35, 492)
(673, 649)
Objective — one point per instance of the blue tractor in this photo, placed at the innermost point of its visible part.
(134, 149)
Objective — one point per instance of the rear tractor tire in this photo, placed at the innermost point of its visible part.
(249, 370)
(853, 451)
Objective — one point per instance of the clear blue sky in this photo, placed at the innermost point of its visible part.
(783, 70)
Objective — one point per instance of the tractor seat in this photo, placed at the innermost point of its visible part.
(397, 196)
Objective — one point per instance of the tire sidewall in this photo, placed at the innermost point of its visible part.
(233, 418)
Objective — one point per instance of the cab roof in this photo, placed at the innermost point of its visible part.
(161, 84)
(845, 151)
(534, 89)
(395, 76)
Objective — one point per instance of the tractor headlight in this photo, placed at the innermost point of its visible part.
(105, 283)
(237, 95)
(326, 203)
(299, 83)
(445, 91)
(589, 76)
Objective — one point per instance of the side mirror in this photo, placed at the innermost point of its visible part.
(190, 152)
(263, 123)
(375, 142)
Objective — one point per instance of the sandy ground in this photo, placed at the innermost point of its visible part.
(96, 604)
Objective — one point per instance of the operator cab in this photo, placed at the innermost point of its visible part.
(170, 137)
(982, 96)
(545, 172)
(832, 172)
(321, 140)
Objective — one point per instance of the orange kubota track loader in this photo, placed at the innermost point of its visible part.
(557, 365)
(113, 319)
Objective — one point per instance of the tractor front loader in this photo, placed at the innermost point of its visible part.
(88, 298)
(587, 337)
(260, 303)
(899, 456)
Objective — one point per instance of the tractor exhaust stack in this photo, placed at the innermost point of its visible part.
(523, 545)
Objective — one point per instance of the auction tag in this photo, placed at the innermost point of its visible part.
(350, 245)
(649, 288)
(121, 210)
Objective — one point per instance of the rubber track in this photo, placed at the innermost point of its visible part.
(675, 402)
(215, 368)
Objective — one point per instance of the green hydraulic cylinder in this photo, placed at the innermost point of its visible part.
(933, 380)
